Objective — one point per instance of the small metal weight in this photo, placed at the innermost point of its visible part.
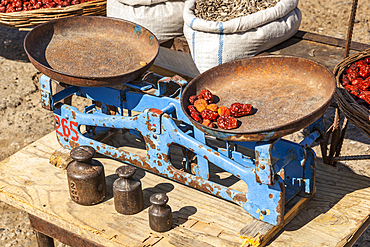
(127, 192)
(86, 178)
(160, 214)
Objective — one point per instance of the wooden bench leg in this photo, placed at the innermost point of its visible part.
(43, 240)
(44, 229)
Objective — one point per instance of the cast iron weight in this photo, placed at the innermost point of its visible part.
(127, 192)
(160, 214)
(86, 178)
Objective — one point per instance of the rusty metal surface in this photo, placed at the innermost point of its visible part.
(350, 28)
(60, 234)
(91, 51)
(288, 92)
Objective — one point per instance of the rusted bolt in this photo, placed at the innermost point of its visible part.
(263, 212)
(262, 166)
(155, 136)
(154, 129)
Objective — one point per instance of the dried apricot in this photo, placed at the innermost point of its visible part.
(200, 104)
(208, 123)
(223, 111)
(212, 107)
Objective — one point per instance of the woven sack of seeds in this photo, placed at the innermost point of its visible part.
(161, 17)
(215, 42)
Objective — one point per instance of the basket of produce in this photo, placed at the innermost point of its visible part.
(353, 89)
(30, 13)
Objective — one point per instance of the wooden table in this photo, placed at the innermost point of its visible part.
(335, 216)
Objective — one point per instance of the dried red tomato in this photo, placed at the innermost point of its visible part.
(364, 71)
(367, 60)
(353, 67)
(192, 108)
(345, 80)
(8, 6)
(196, 116)
(238, 109)
(227, 122)
(357, 81)
(365, 95)
(209, 114)
(352, 90)
(207, 95)
(192, 99)
(359, 63)
(194, 113)
(352, 75)
(364, 85)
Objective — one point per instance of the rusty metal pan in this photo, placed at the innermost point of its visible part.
(288, 93)
(91, 51)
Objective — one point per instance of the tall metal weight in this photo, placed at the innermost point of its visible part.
(127, 192)
(86, 178)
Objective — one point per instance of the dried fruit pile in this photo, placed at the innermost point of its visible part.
(356, 80)
(203, 110)
(8, 6)
(224, 10)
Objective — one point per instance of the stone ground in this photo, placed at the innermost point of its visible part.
(22, 120)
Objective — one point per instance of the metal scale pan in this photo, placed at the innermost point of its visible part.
(289, 93)
(91, 51)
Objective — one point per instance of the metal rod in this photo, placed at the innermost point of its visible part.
(354, 157)
(350, 28)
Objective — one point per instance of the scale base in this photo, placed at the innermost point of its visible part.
(256, 233)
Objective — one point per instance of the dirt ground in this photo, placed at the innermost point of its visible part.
(22, 120)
